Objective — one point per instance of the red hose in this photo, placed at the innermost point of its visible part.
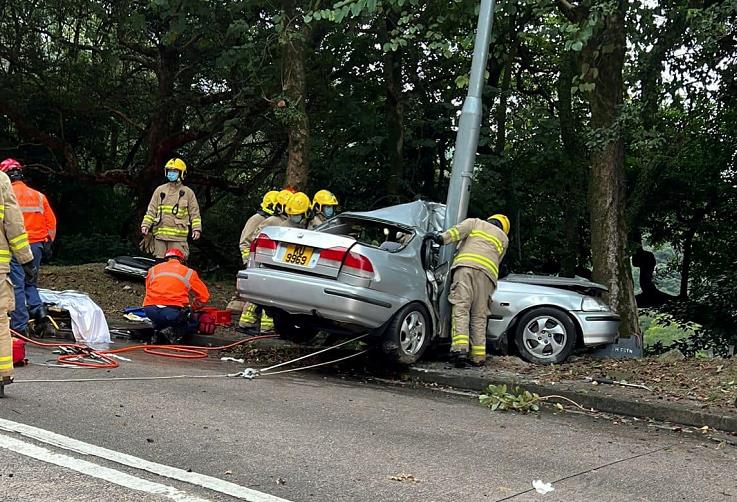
(174, 351)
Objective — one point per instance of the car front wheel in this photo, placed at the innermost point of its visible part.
(545, 336)
(408, 334)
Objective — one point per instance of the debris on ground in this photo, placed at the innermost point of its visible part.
(405, 478)
(704, 384)
(541, 487)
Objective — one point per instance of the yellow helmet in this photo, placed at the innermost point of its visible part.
(281, 200)
(267, 204)
(299, 203)
(324, 198)
(501, 219)
(176, 164)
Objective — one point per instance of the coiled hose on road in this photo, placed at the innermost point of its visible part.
(86, 357)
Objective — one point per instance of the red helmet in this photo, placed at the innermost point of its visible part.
(174, 253)
(9, 164)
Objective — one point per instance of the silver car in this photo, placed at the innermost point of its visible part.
(377, 272)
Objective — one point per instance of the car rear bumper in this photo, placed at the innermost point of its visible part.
(598, 328)
(319, 297)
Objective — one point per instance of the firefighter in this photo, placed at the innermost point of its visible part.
(172, 211)
(294, 213)
(167, 303)
(252, 319)
(13, 242)
(266, 210)
(40, 224)
(324, 207)
(475, 272)
(250, 313)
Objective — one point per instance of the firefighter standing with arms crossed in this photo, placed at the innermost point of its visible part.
(13, 242)
(172, 211)
(475, 272)
(40, 223)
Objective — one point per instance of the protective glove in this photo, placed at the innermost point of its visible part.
(144, 230)
(196, 234)
(31, 272)
(437, 238)
(48, 250)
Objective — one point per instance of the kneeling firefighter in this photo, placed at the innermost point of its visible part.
(475, 272)
(167, 303)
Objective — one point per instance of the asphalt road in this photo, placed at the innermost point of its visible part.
(303, 437)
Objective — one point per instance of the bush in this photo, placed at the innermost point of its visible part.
(90, 248)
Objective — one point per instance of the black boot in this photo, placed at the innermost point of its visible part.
(459, 359)
(3, 382)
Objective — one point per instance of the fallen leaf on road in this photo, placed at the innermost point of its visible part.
(405, 477)
(281, 481)
(228, 472)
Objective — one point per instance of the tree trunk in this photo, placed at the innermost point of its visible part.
(686, 264)
(293, 83)
(607, 194)
(574, 154)
(394, 107)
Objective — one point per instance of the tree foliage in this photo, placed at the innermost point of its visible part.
(96, 95)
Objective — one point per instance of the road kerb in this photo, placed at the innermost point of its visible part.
(607, 404)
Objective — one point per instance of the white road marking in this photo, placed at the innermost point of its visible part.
(193, 478)
(96, 471)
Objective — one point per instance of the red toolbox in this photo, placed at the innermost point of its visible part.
(19, 351)
(221, 317)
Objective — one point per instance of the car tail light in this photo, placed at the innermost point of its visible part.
(263, 244)
(358, 265)
(332, 257)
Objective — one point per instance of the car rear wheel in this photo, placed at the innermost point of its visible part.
(289, 328)
(545, 336)
(408, 334)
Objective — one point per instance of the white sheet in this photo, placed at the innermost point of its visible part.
(88, 320)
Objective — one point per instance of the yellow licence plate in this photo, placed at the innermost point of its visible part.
(298, 255)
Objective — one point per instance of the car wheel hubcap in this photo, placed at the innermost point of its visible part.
(545, 337)
(412, 334)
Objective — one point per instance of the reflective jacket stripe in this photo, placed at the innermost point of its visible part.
(171, 231)
(477, 258)
(34, 209)
(184, 278)
(489, 238)
(455, 235)
(19, 242)
(2, 211)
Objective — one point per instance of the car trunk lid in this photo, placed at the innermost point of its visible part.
(309, 252)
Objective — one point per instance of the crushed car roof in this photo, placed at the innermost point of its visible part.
(423, 215)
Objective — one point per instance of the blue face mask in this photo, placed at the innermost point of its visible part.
(296, 219)
(172, 175)
(328, 211)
